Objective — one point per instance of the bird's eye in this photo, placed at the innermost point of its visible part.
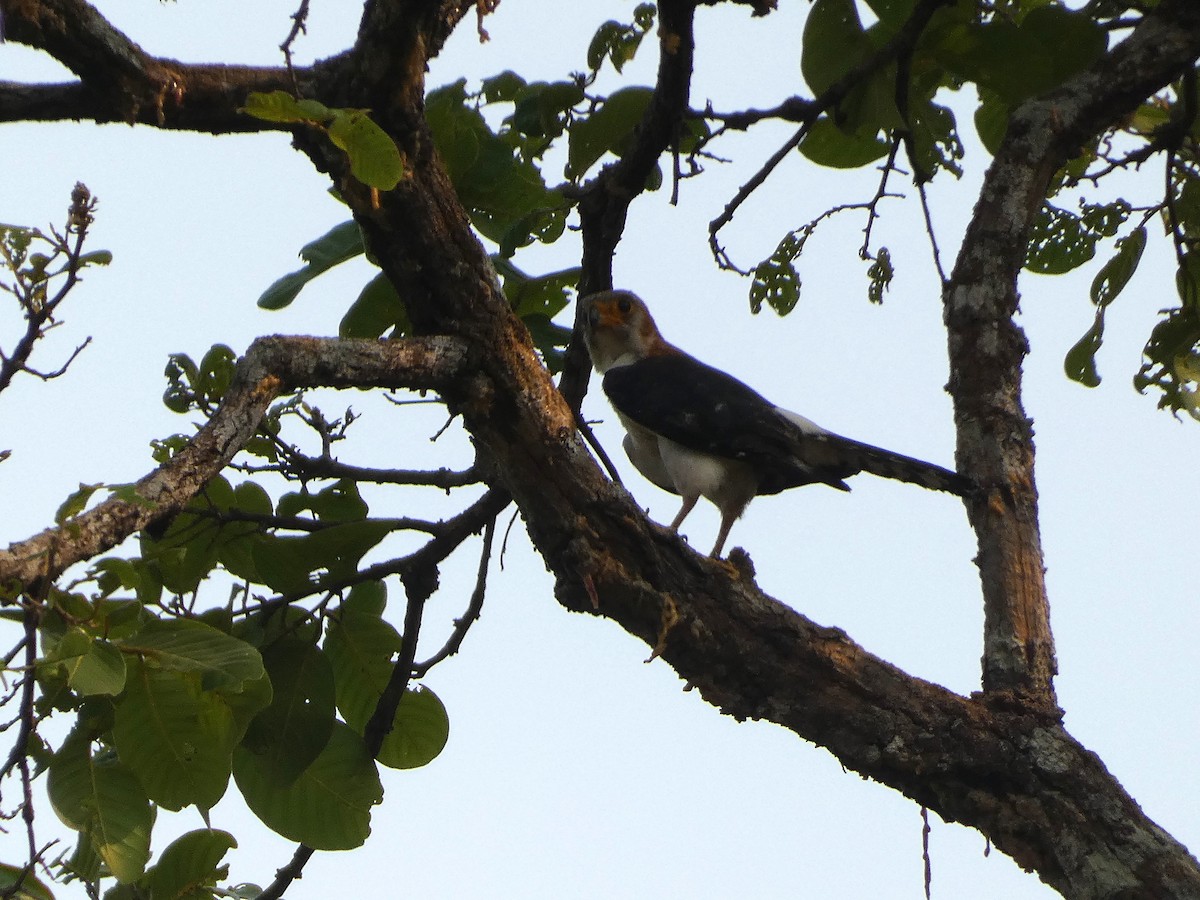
(624, 305)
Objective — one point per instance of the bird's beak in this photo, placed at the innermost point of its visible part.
(604, 314)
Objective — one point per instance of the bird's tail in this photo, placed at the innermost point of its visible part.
(887, 464)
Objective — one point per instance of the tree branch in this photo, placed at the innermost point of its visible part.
(995, 437)
(120, 82)
(271, 366)
(604, 202)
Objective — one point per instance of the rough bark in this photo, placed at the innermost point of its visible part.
(1000, 761)
(995, 437)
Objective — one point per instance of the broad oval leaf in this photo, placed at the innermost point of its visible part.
(190, 867)
(341, 243)
(375, 159)
(329, 806)
(607, 129)
(290, 733)
(828, 145)
(185, 645)
(419, 731)
(377, 309)
(175, 737)
(93, 665)
(280, 106)
(1115, 274)
(360, 648)
(99, 796)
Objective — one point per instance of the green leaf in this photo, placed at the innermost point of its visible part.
(1115, 274)
(375, 159)
(833, 43)
(607, 129)
(619, 42)
(175, 737)
(280, 106)
(880, 274)
(185, 645)
(377, 309)
(93, 666)
(361, 648)
(252, 498)
(502, 88)
(1018, 61)
(329, 806)
(991, 120)
(245, 704)
(290, 733)
(1080, 361)
(1061, 241)
(776, 281)
(1170, 353)
(99, 796)
(827, 145)
(505, 196)
(336, 246)
(76, 503)
(96, 258)
(31, 887)
(542, 109)
(291, 564)
(190, 867)
(368, 599)
(419, 731)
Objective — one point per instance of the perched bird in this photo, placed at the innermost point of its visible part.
(698, 432)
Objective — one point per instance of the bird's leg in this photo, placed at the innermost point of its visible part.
(688, 504)
(726, 523)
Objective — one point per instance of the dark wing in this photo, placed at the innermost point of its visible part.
(705, 409)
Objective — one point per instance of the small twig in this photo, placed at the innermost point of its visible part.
(933, 244)
(473, 610)
(483, 8)
(321, 467)
(30, 290)
(881, 192)
(588, 435)
(299, 25)
(925, 850)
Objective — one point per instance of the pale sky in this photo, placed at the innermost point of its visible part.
(573, 769)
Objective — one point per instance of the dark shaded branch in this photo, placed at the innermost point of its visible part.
(604, 202)
(474, 608)
(322, 467)
(306, 524)
(120, 82)
(289, 873)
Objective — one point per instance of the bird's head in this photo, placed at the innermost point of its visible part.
(618, 329)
